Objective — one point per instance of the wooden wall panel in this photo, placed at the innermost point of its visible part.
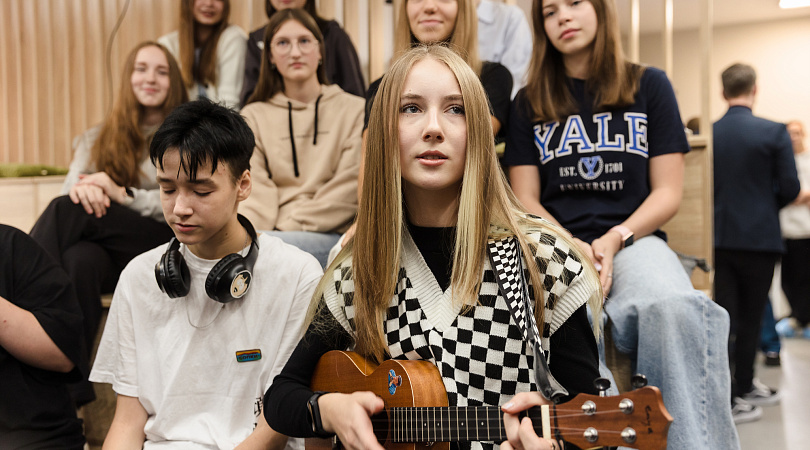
(56, 79)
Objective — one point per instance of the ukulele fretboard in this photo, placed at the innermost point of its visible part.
(447, 424)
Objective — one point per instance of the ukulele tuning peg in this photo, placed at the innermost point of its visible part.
(638, 381)
(603, 384)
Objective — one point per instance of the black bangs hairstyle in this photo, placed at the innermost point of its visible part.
(204, 131)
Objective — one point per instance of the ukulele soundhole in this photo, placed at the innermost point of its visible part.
(381, 425)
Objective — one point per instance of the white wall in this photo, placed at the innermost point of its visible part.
(779, 51)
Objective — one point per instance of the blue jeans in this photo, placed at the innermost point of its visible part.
(768, 338)
(678, 338)
(316, 244)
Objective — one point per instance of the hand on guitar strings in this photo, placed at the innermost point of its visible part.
(520, 434)
(348, 415)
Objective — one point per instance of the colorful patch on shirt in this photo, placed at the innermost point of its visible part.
(248, 355)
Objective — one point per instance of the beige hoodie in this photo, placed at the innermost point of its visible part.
(322, 195)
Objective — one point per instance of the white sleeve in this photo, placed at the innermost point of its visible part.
(116, 359)
(518, 51)
(80, 164)
(147, 203)
(311, 273)
(231, 50)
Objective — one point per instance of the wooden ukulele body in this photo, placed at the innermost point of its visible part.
(420, 385)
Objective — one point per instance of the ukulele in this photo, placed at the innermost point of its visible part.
(416, 411)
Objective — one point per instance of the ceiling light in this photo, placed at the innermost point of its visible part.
(785, 4)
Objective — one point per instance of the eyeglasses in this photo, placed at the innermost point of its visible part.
(284, 46)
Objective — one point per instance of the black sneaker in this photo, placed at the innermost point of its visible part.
(743, 412)
(761, 395)
(772, 359)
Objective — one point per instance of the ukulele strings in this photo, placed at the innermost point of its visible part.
(566, 413)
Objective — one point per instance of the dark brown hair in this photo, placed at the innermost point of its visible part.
(206, 70)
(611, 80)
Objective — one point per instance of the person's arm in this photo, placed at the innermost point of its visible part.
(80, 163)
(253, 64)
(40, 317)
(525, 182)
(666, 191)
(518, 48)
(23, 337)
(787, 187)
(497, 82)
(342, 57)
(263, 438)
(285, 402)
(231, 50)
(127, 428)
(803, 198)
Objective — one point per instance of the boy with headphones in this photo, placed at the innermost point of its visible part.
(199, 327)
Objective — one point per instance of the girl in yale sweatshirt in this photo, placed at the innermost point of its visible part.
(308, 137)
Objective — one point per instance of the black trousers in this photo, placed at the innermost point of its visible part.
(742, 280)
(796, 278)
(94, 251)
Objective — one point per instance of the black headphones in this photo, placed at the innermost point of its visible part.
(228, 280)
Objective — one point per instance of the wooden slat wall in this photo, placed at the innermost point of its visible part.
(54, 82)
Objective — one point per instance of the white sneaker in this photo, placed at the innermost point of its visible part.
(788, 327)
(761, 395)
(743, 412)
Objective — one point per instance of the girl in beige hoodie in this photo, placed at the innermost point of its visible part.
(308, 137)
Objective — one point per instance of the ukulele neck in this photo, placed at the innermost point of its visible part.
(452, 424)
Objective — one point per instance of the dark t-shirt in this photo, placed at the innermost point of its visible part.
(594, 166)
(36, 410)
(497, 82)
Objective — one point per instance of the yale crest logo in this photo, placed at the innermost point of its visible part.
(590, 167)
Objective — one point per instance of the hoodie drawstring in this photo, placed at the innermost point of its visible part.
(315, 136)
(292, 135)
(292, 140)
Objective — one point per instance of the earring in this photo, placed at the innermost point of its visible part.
(320, 61)
(272, 66)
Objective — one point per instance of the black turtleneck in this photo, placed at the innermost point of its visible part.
(436, 245)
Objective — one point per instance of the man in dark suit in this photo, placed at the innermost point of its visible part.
(754, 176)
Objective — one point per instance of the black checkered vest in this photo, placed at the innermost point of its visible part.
(480, 353)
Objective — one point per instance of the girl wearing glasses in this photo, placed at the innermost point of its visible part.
(342, 64)
(308, 136)
(210, 52)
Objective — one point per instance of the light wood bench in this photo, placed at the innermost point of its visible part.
(23, 199)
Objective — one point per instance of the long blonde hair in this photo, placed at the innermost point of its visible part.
(463, 39)
(485, 200)
(119, 148)
(206, 70)
(612, 80)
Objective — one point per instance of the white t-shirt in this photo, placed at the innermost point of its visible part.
(179, 356)
(795, 219)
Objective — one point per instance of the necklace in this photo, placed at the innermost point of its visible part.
(188, 315)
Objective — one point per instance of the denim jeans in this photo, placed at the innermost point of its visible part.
(316, 244)
(768, 337)
(678, 338)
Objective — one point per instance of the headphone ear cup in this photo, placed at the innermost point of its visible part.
(175, 277)
(222, 276)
